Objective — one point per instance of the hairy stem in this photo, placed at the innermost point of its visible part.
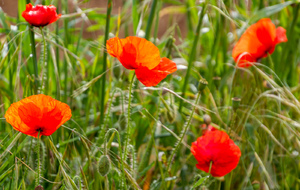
(183, 132)
(128, 119)
(38, 158)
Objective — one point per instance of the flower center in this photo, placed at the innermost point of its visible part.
(40, 129)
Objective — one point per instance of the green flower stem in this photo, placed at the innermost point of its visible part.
(183, 132)
(44, 61)
(38, 157)
(34, 60)
(128, 118)
(210, 166)
(192, 54)
(66, 44)
(57, 56)
(271, 62)
(220, 184)
(106, 183)
(102, 94)
(107, 145)
(228, 181)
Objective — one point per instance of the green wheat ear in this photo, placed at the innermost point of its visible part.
(103, 165)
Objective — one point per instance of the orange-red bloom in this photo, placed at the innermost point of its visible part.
(218, 148)
(257, 42)
(38, 113)
(142, 56)
(40, 15)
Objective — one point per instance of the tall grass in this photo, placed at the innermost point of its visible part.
(123, 135)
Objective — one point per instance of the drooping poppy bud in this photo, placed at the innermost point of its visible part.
(104, 165)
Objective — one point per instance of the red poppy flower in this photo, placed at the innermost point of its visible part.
(207, 128)
(218, 148)
(40, 15)
(257, 42)
(38, 113)
(142, 56)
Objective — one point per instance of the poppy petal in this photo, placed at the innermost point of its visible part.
(56, 114)
(55, 18)
(218, 148)
(128, 56)
(280, 35)
(134, 52)
(38, 113)
(207, 128)
(40, 15)
(258, 41)
(14, 116)
(28, 7)
(154, 76)
(265, 31)
(250, 45)
(114, 47)
(30, 114)
(147, 53)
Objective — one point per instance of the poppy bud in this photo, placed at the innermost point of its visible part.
(104, 165)
(206, 119)
(266, 84)
(202, 84)
(39, 187)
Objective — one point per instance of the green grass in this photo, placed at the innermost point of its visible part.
(141, 137)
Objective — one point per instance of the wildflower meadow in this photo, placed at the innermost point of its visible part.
(149, 94)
